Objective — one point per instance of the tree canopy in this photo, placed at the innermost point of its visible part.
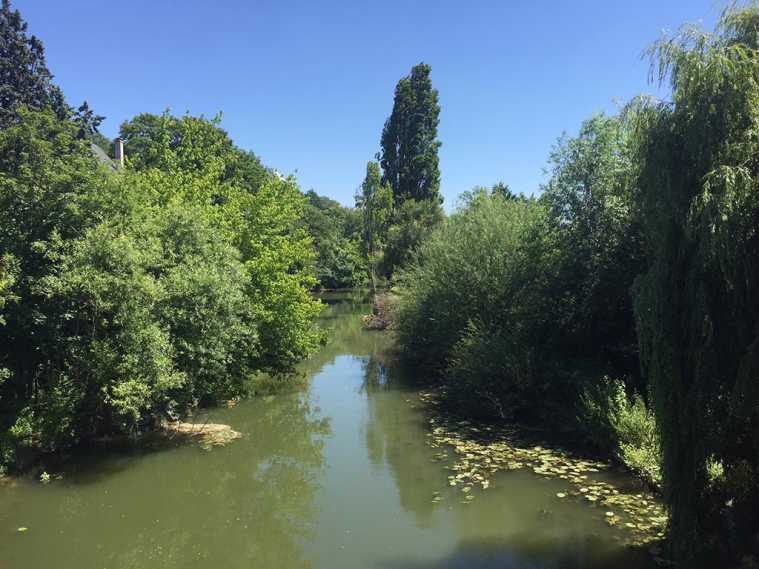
(696, 309)
(409, 143)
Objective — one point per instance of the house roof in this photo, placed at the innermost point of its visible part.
(102, 157)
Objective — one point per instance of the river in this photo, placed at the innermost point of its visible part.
(339, 474)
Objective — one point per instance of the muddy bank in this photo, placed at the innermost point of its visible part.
(380, 318)
(208, 435)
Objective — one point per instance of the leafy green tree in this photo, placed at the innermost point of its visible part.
(193, 161)
(50, 190)
(409, 155)
(696, 308)
(24, 76)
(7, 279)
(411, 223)
(337, 238)
(190, 144)
(139, 294)
(504, 191)
(590, 196)
(88, 122)
(498, 189)
(375, 200)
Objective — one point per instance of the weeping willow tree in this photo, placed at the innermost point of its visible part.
(697, 306)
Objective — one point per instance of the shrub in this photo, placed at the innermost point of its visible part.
(131, 297)
(476, 302)
(615, 421)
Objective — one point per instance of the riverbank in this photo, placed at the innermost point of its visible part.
(381, 315)
(604, 419)
(476, 453)
(294, 490)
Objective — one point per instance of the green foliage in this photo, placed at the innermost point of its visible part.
(8, 274)
(697, 315)
(475, 303)
(375, 201)
(335, 232)
(409, 141)
(411, 223)
(590, 197)
(131, 297)
(24, 77)
(616, 422)
(189, 144)
(401, 208)
(50, 186)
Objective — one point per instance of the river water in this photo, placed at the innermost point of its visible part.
(337, 475)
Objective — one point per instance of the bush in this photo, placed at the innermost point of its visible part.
(616, 422)
(476, 303)
(133, 296)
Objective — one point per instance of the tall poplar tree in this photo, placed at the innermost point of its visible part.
(409, 139)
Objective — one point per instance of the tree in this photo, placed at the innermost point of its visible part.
(190, 144)
(133, 296)
(375, 201)
(192, 160)
(50, 188)
(696, 307)
(409, 141)
(410, 224)
(337, 239)
(24, 76)
(88, 122)
(590, 196)
(477, 304)
(504, 191)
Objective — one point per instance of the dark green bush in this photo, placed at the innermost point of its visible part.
(476, 303)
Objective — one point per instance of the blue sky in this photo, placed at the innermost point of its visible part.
(307, 85)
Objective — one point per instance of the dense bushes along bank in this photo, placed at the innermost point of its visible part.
(638, 262)
(131, 295)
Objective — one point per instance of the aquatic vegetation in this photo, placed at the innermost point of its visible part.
(475, 453)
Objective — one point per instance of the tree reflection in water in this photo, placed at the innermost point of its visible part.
(247, 505)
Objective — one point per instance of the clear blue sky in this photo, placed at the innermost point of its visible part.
(307, 85)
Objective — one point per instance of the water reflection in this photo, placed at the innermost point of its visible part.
(393, 438)
(247, 506)
(336, 476)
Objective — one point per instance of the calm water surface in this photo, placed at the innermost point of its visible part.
(337, 476)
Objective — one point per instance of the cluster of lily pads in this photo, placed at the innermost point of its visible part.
(480, 451)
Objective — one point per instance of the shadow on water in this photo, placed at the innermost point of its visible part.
(527, 552)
